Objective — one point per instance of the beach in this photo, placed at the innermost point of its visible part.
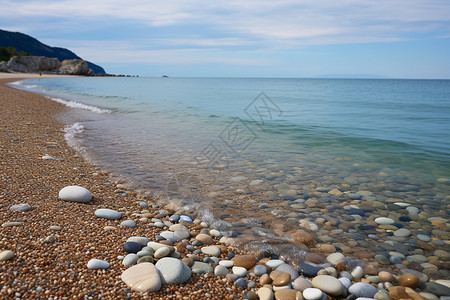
(54, 241)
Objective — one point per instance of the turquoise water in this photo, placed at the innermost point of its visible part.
(232, 144)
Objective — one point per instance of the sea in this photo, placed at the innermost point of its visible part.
(263, 157)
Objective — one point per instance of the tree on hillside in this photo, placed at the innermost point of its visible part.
(7, 52)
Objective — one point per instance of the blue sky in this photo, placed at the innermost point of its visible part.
(245, 38)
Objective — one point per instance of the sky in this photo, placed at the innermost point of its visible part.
(244, 38)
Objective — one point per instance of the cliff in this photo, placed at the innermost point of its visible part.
(26, 43)
(35, 64)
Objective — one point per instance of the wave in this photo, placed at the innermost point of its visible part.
(71, 133)
(74, 104)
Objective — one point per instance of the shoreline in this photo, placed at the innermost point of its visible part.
(30, 132)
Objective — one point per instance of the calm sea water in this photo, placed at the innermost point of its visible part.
(231, 144)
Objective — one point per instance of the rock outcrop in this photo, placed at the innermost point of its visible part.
(35, 64)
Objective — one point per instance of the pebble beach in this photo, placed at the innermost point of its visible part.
(70, 230)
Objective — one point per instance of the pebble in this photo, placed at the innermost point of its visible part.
(346, 282)
(384, 221)
(280, 278)
(226, 263)
(107, 213)
(187, 219)
(202, 268)
(259, 270)
(221, 271)
(142, 278)
(130, 259)
(239, 271)
(287, 294)
(211, 250)
(385, 276)
(265, 293)
(162, 252)
(362, 289)
(357, 272)
(409, 280)
(23, 207)
(437, 289)
(215, 233)
(335, 258)
(308, 269)
(181, 233)
(241, 282)
(274, 263)
(132, 247)
(204, 239)
(139, 239)
(128, 223)
(95, 264)
(312, 294)
(7, 255)
(74, 193)
(301, 284)
(328, 284)
(143, 204)
(402, 232)
(245, 261)
(288, 269)
(173, 270)
(12, 224)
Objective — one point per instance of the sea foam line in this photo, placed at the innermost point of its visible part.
(71, 132)
(74, 104)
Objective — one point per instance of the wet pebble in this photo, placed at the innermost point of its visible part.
(23, 207)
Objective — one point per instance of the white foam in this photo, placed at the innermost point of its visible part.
(71, 132)
(74, 104)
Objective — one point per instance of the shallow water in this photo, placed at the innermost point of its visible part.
(260, 155)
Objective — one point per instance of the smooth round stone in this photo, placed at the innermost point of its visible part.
(288, 269)
(202, 268)
(162, 252)
(357, 272)
(145, 258)
(159, 224)
(335, 258)
(7, 255)
(437, 289)
(409, 280)
(245, 261)
(23, 207)
(139, 239)
(354, 196)
(239, 271)
(142, 278)
(174, 218)
(428, 296)
(187, 219)
(382, 259)
(241, 282)
(75, 193)
(312, 294)
(423, 237)
(221, 271)
(128, 223)
(385, 276)
(381, 295)
(226, 263)
(308, 269)
(95, 264)
(143, 204)
(395, 260)
(280, 278)
(287, 294)
(301, 284)
(132, 247)
(130, 259)
(12, 224)
(260, 270)
(402, 232)
(211, 250)
(417, 258)
(412, 210)
(328, 284)
(107, 213)
(274, 263)
(215, 233)
(346, 282)
(204, 239)
(173, 270)
(384, 221)
(182, 233)
(265, 293)
(362, 289)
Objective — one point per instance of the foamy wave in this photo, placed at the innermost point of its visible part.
(70, 136)
(22, 85)
(74, 104)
